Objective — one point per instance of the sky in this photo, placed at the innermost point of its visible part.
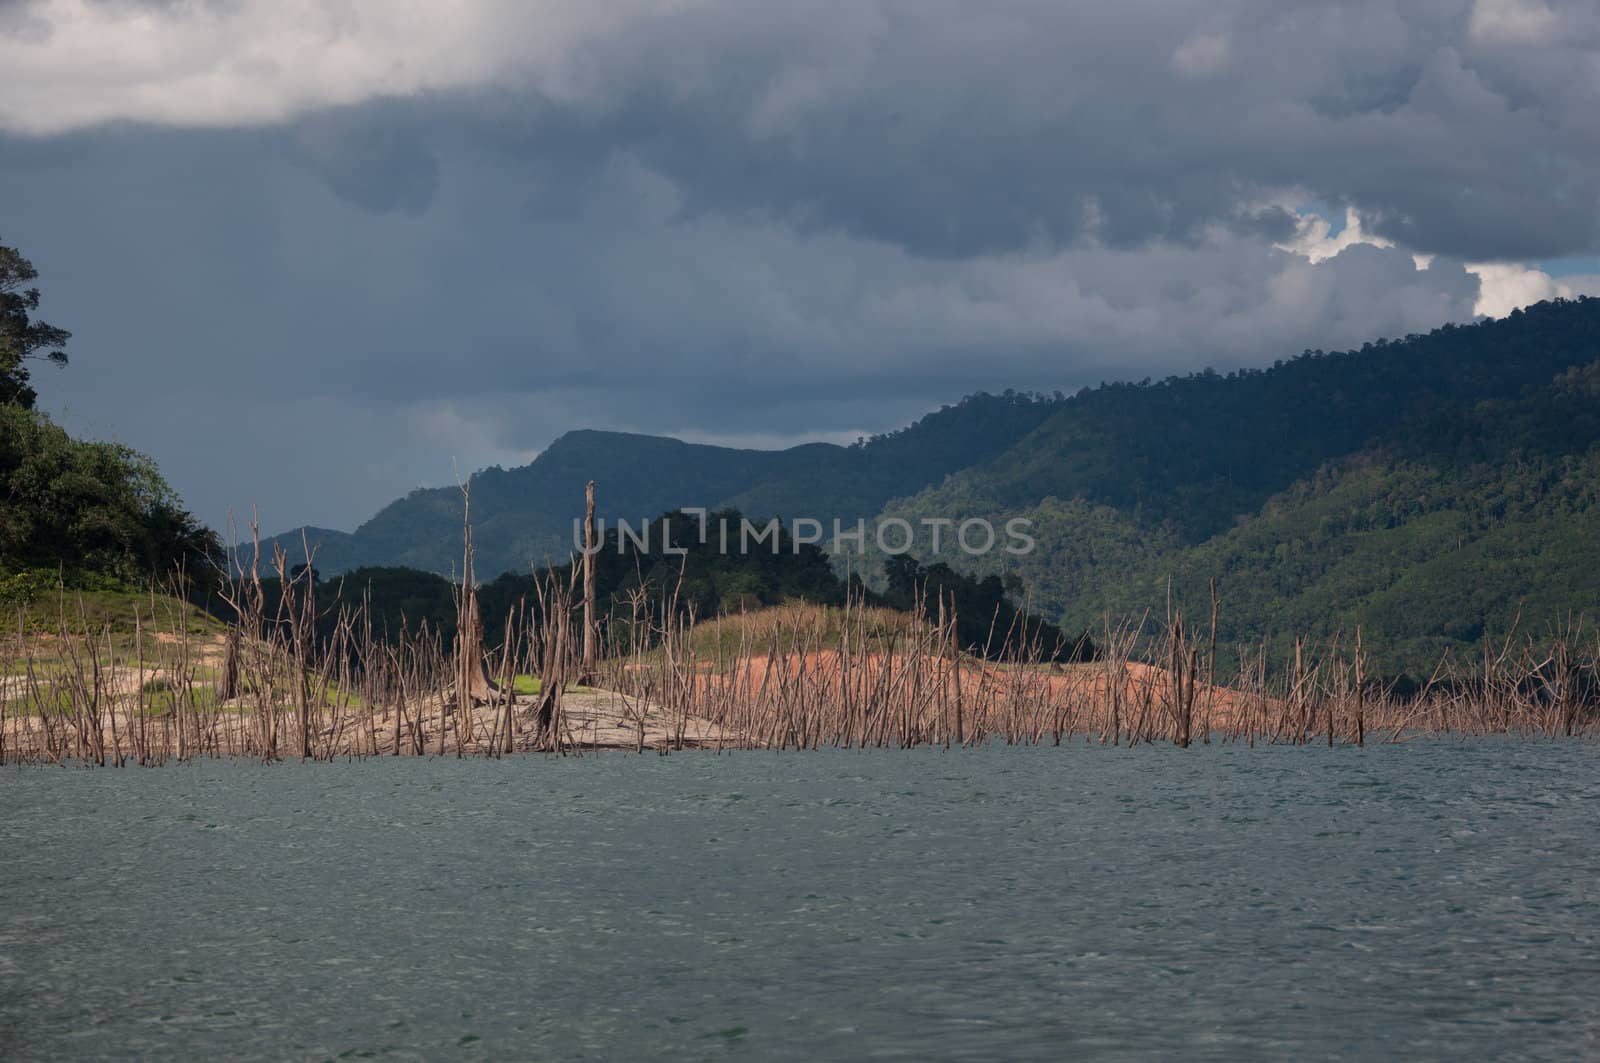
(315, 255)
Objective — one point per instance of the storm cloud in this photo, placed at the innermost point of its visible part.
(355, 247)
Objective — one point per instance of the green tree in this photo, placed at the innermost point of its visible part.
(86, 510)
(23, 338)
(79, 511)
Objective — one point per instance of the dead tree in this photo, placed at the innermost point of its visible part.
(473, 685)
(589, 668)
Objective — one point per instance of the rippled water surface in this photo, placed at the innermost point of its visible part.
(1423, 901)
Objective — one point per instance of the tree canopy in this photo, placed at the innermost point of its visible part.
(84, 513)
(23, 338)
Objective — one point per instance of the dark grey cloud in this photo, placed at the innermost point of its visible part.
(1460, 127)
(955, 130)
(757, 222)
(372, 156)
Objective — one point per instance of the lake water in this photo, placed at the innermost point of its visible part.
(1412, 902)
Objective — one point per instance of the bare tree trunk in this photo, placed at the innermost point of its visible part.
(1361, 679)
(955, 626)
(590, 547)
(230, 666)
(1211, 664)
(473, 685)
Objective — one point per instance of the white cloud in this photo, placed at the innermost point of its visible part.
(1502, 286)
(1312, 239)
(1513, 21)
(1507, 286)
(75, 63)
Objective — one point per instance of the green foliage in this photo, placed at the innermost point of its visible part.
(707, 578)
(124, 622)
(1471, 503)
(22, 337)
(398, 598)
(394, 599)
(21, 589)
(90, 516)
(93, 514)
(1200, 452)
(702, 579)
(987, 619)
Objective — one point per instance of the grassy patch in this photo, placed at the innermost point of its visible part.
(793, 628)
(526, 686)
(95, 609)
(163, 700)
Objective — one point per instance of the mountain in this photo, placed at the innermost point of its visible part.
(1431, 490)
(524, 516)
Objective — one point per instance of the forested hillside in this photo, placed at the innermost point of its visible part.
(523, 516)
(1431, 491)
(1197, 453)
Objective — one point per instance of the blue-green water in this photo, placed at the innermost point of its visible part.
(1415, 902)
